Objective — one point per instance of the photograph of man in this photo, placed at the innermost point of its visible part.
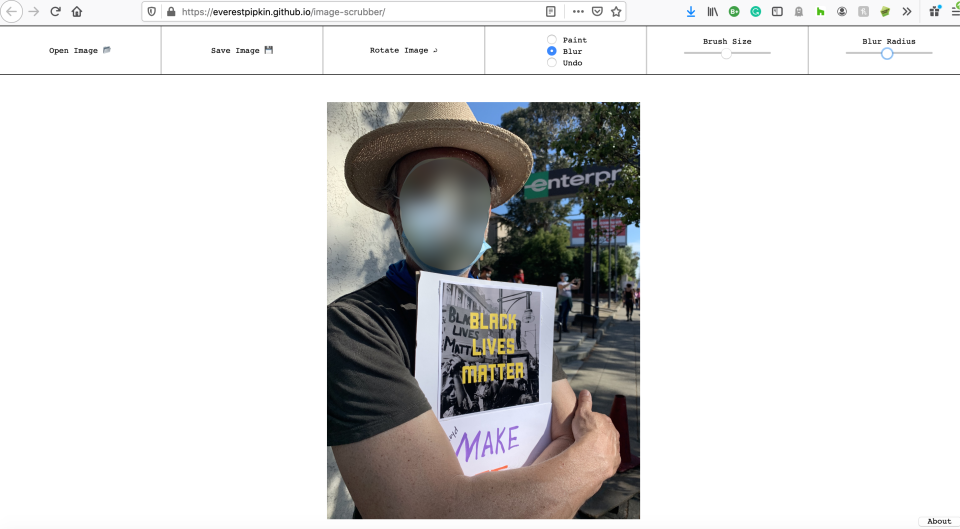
(437, 173)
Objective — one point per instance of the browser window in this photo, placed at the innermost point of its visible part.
(278, 263)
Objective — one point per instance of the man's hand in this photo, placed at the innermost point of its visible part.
(597, 432)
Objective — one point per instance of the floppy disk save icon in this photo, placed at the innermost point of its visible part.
(597, 10)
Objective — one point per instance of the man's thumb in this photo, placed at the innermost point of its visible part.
(585, 402)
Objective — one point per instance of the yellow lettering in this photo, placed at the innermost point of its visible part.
(513, 321)
(475, 352)
(504, 321)
(510, 346)
(482, 373)
(493, 322)
(501, 370)
(483, 324)
(474, 320)
(510, 370)
(500, 345)
(469, 374)
(519, 369)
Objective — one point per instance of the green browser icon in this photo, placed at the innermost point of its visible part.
(884, 11)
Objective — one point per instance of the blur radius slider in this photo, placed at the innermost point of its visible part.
(898, 53)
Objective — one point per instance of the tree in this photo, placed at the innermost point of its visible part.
(626, 264)
(542, 256)
(540, 125)
(609, 134)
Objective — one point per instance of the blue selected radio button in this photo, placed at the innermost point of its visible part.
(552, 50)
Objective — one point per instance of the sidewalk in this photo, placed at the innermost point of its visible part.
(613, 368)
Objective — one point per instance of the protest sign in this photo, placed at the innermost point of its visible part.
(484, 361)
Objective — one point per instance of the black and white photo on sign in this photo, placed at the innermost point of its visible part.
(489, 350)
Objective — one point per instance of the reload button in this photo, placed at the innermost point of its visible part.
(940, 521)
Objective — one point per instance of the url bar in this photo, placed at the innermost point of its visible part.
(371, 12)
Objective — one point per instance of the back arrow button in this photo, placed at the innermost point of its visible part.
(11, 11)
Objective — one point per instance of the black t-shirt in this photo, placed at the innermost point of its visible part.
(371, 355)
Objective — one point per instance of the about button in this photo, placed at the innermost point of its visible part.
(940, 521)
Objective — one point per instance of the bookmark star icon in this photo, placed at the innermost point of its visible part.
(616, 11)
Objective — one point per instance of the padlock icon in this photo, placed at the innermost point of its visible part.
(171, 12)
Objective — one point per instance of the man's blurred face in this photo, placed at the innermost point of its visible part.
(444, 205)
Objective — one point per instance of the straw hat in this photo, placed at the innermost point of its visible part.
(426, 125)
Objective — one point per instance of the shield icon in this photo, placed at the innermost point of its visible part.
(151, 11)
(597, 10)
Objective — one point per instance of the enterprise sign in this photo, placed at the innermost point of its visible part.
(565, 183)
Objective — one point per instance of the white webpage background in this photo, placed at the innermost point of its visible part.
(163, 282)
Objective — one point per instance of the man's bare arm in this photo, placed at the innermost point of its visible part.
(561, 424)
(411, 471)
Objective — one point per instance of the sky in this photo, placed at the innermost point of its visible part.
(490, 113)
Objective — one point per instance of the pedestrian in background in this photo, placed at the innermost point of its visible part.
(629, 295)
(486, 273)
(565, 290)
(518, 277)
